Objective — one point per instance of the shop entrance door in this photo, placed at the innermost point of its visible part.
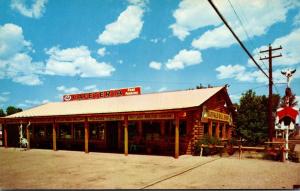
(112, 136)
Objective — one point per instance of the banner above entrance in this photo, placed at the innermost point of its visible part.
(103, 94)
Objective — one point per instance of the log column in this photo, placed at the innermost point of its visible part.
(224, 131)
(176, 136)
(28, 136)
(5, 135)
(218, 130)
(86, 136)
(119, 136)
(126, 135)
(140, 129)
(54, 125)
(162, 128)
(210, 128)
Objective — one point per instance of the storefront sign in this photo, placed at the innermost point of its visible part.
(72, 119)
(103, 94)
(41, 120)
(151, 116)
(107, 118)
(218, 116)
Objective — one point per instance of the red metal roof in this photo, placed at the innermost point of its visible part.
(287, 111)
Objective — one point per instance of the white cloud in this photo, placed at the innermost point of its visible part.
(36, 102)
(219, 38)
(191, 15)
(91, 88)
(5, 93)
(102, 51)
(140, 3)
(35, 11)
(259, 20)
(12, 41)
(66, 90)
(155, 65)
(290, 50)
(22, 105)
(230, 71)
(296, 20)
(243, 74)
(30, 103)
(184, 58)
(157, 40)
(120, 61)
(235, 97)
(15, 63)
(154, 40)
(3, 99)
(162, 89)
(126, 28)
(298, 99)
(75, 61)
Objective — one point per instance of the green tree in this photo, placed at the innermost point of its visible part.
(2, 114)
(251, 120)
(12, 110)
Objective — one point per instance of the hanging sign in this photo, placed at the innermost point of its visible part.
(103, 94)
(218, 116)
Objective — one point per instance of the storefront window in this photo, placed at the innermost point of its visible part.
(132, 129)
(221, 131)
(205, 128)
(97, 131)
(213, 129)
(151, 130)
(65, 131)
(78, 131)
(170, 128)
(40, 131)
(182, 128)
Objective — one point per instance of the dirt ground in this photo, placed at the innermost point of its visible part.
(68, 169)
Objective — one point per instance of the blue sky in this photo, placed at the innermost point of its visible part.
(50, 48)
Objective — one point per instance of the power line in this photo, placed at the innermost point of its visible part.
(244, 28)
(248, 37)
(237, 38)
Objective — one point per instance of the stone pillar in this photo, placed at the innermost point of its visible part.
(126, 135)
(86, 136)
(176, 136)
(54, 125)
(210, 128)
(28, 137)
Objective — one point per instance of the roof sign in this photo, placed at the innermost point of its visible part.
(103, 94)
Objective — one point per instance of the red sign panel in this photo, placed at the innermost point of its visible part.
(103, 94)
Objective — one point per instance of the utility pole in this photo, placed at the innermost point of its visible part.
(270, 103)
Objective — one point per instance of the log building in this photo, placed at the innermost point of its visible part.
(167, 123)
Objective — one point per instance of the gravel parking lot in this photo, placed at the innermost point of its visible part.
(68, 169)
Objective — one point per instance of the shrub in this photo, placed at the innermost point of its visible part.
(207, 140)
